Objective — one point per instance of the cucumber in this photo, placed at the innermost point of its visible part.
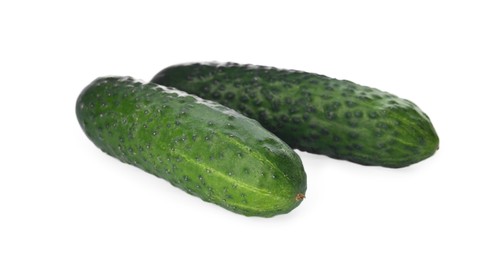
(315, 113)
(199, 146)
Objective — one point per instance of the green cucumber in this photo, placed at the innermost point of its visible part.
(202, 147)
(315, 113)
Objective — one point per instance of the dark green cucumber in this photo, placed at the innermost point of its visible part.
(315, 113)
(202, 147)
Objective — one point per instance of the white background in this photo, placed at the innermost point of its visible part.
(62, 198)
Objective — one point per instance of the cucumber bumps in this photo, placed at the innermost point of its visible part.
(315, 113)
(204, 148)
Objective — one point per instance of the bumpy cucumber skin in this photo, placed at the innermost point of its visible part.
(315, 113)
(202, 147)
